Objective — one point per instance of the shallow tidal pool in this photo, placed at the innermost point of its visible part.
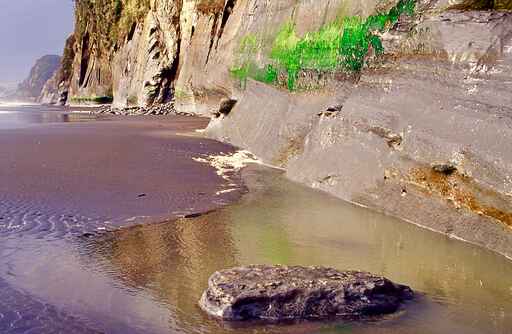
(148, 278)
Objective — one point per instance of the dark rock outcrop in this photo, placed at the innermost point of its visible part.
(44, 68)
(444, 168)
(282, 293)
(226, 105)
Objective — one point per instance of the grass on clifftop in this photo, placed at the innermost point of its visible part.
(66, 68)
(341, 45)
(108, 21)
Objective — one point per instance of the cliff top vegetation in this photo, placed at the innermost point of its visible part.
(108, 21)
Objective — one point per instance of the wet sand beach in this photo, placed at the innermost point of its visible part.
(116, 168)
(69, 176)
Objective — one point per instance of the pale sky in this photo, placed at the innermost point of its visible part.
(30, 29)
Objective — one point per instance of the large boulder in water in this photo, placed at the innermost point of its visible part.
(281, 293)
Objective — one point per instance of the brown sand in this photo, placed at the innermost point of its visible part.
(116, 169)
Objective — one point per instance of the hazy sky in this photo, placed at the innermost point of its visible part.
(30, 29)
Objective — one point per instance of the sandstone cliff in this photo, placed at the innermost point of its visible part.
(425, 134)
(148, 51)
(182, 49)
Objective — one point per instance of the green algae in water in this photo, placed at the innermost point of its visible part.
(341, 45)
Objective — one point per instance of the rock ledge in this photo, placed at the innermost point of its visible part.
(282, 293)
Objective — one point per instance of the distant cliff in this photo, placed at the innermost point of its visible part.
(55, 90)
(6, 89)
(41, 72)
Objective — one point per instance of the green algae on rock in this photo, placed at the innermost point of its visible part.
(339, 46)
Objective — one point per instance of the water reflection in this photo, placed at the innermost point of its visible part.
(170, 260)
(468, 290)
(15, 116)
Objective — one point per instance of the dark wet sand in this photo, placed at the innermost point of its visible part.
(115, 169)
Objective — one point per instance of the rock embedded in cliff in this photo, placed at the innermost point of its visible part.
(447, 168)
(226, 105)
(282, 293)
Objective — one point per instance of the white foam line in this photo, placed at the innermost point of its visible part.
(17, 104)
(233, 162)
(225, 191)
(80, 112)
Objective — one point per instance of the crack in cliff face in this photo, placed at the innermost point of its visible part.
(88, 73)
(173, 73)
(192, 31)
(217, 30)
(168, 78)
(212, 36)
(163, 90)
(153, 46)
(84, 63)
(132, 31)
(228, 9)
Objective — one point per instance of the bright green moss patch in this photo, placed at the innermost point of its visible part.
(339, 46)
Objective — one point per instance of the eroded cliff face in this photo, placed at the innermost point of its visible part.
(182, 49)
(142, 52)
(423, 132)
(424, 135)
